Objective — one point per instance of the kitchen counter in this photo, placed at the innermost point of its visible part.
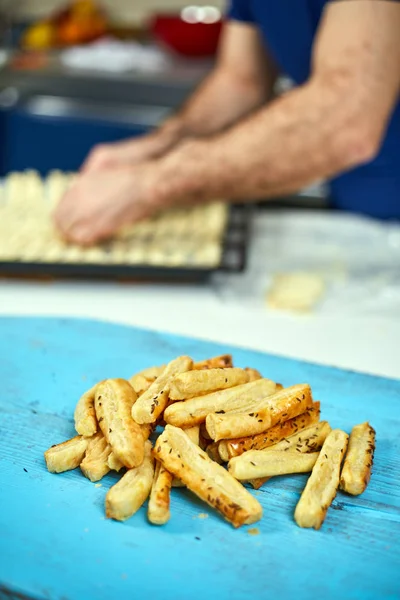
(231, 309)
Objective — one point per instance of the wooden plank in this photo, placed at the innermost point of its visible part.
(55, 542)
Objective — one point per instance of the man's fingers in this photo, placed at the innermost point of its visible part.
(107, 157)
(98, 159)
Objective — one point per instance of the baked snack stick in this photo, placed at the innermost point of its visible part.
(195, 383)
(113, 402)
(217, 362)
(230, 448)
(307, 440)
(114, 463)
(213, 452)
(357, 466)
(238, 424)
(268, 463)
(143, 380)
(85, 414)
(151, 404)
(253, 374)
(127, 496)
(95, 463)
(281, 406)
(208, 480)
(323, 482)
(194, 434)
(158, 510)
(310, 439)
(194, 411)
(66, 456)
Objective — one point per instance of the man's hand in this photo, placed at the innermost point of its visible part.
(244, 73)
(99, 204)
(117, 155)
(134, 151)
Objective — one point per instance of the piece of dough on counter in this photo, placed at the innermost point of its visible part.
(295, 291)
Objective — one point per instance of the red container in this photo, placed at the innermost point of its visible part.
(188, 39)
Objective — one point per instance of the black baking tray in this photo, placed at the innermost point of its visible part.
(234, 259)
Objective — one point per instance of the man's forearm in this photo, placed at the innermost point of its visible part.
(334, 122)
(221, 101)
(241, 82)
(208, 112)
(297, 139)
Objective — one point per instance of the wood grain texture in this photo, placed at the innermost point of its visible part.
(55, 542)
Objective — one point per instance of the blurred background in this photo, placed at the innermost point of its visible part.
(77, 73)
(81, 72)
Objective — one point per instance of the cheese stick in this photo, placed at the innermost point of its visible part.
(208, 480)
(268, 463)
(356, 470)
(151, 404)
(323, 482)
(158, 510)
(127, 496)
(195, 383)
(66, 456)
(230, 448)
(194, 411)
(113, 402)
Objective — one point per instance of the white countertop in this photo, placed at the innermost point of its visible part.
(229, 310)
(369, 344)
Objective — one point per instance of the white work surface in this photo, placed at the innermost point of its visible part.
(357, 326)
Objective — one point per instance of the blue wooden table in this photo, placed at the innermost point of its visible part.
(56, 543)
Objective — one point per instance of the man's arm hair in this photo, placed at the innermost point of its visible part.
(334, 122)
(242, 80)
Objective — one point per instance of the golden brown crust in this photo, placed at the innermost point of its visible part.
(213, 453)
(257, 483)
(310, 439)
(230, 448)
(143, 380)
(238, 424)
(356, 471)
(114, 463)
(85, 414)
(208, 480)
(217, 362)
(113, 402)
(194, 411)
(289, 403)
(158, 510)
(151, 404)
(66, 456)
(140, 384)
(195, 383)
(95, 464)
(323, 482)
(278, 408)
(194, 434)
(253, 374)
(269, 463)
(127, 496)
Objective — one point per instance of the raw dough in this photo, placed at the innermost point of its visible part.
(177, 238)
(295, 291)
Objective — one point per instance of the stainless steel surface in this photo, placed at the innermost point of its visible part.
(53, 106)
(168, 88)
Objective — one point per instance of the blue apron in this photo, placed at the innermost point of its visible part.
(372, 189)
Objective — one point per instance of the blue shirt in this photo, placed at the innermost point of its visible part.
(373, 188)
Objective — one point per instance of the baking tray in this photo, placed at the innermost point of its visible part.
(186, 243)
(233, 259)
